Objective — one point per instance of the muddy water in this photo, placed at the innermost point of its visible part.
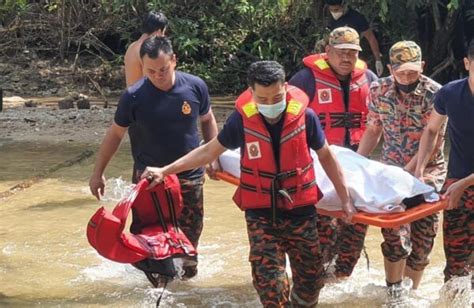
(45, 258)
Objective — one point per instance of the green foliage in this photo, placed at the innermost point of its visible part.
(12, 8)
(453, 5)
(218, 39)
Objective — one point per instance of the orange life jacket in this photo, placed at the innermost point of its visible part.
(158, 238)
(328, 101)
(265, 183)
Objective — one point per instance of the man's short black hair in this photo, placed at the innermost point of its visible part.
(265, 73)
(470, 50)
(155, 45)
(154, 21)
(334, 2)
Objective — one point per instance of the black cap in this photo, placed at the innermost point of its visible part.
(334, 2)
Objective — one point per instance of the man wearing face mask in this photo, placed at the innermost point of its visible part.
(277, 190)
(337, 84)
(399, 108)
(342, 15)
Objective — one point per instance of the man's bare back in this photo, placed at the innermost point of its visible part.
(133, 63)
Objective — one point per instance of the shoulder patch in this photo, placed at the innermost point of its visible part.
(294, 107)
(250, 109)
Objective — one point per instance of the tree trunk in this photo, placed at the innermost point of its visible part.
(438, 49)
(62, 39)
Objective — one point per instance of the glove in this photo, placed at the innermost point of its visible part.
(379, 67)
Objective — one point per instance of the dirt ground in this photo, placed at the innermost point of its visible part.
(28, 80)
(46, 122)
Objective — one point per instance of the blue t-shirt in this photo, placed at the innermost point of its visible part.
(352, 19)
(163, 124)
(456, 101)
(232, 136)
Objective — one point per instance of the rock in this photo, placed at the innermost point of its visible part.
(41, 64)
(83, 103)
(66, 103)
(29, 120)
(13, 99)
(61, 92)
(31, 103)
(74, 95)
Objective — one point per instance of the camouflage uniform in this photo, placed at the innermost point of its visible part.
(458, 228)
(298, 238)
(342, 242)
(403, 121)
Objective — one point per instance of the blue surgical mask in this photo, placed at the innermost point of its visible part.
(272, 111)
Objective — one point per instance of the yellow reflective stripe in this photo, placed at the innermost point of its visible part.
(250, 109)
(294, 107)
(360, 64)
(322, 64)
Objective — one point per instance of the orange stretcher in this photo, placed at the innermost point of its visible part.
(389, 220)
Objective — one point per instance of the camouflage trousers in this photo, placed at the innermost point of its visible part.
(341, 241)
(412, 242)
(191, 218)
(269, 245)
(458, 235)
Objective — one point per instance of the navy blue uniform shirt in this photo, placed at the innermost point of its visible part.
(163, 124)
(352, 19)
(456, 101)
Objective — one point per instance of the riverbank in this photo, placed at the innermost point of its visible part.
(46, 122)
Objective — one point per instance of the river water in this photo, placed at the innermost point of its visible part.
(45, 258)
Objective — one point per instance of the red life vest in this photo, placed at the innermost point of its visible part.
(328, 101)
(159, 236)
(262, 183)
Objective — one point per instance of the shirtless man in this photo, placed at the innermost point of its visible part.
(154, 23)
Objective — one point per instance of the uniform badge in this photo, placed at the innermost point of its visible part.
(325, 96)
(186, 108)
(253, 150)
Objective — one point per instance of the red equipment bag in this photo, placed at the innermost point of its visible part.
(159, 236)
